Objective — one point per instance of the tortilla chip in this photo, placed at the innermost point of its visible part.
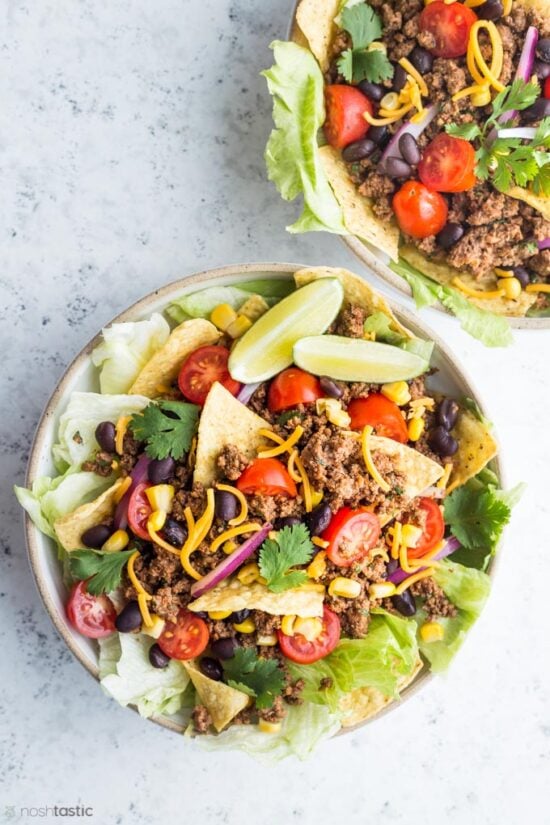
(420, 471)
(302, 601)
(254, 307)
(538, 202)
(162, 369)
(356, 292)
(221, 701)
(364, 703)
(359, 218)
(316, 21)
(69, 528)
(476, 447)
(225, 420)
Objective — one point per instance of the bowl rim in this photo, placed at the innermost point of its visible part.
(59, 395)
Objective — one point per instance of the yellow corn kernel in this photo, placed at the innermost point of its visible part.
(410, 534)
(377, 46)
(381, 590)
(511, 287)
(156, 520)
(155, 630)
(310, 628)
(346, 588)
(398, 392)
(239, 326)
(269, 727)
(249, 573)
(222, 316)
(160, 496)
(287, 625)
(218, 615)
(267, 640)
(415, 428)
(116, 542)
(318, 567)
(390, 101)
(247, 626)
(229, 546)
(316, 498)
(124, 487)
(332, 408)
(432, 632)
(482, 98)
(504, 273)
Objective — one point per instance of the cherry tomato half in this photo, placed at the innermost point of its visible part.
(291, 387)
(450, 25)
(547, 88)
(351, 534)
(92, 616)
(434, 529)
(268, 477)
(139, 511)
(382, 414)
(345, 123)
(185, 638)
(419, 211)
(298, 649)
(201, 369)
(448, 164)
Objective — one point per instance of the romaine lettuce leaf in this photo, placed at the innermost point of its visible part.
(200, 304)
(125, 350)
(379, 323)
(296, 83)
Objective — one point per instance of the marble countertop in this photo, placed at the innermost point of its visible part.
(131, 141)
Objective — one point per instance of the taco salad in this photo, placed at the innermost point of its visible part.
(269, 516)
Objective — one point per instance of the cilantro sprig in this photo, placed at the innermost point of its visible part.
(277, 556)
(167, 427)
(508, 161)
(262, 679)
(102, 568)
(364, 26)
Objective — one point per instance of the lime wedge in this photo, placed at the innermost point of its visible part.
(266, 348)
(354, 359)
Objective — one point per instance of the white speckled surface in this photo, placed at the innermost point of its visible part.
(131, 139)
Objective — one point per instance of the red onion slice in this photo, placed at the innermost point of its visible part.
(544, 244)
(408, 128)
(246, 392)
(138, 474)
(525, 65)
(399, 575)
(230, 564)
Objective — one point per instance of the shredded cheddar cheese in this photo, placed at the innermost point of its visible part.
(189, 546)
(396, 540)
(369, 463)
(250, 527)
(319, 542)
(306, 486)
(144, 610)
(284, 446)
(416, 577)
(442, 483)
(477, 293)
(120, 430)
(123, 489)
(415, 74)
(477, 65)
(389, 117)
(537, 288)
(293, 473)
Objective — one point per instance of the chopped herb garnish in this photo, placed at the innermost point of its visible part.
(102, 568)
(261, 678)
(277, 556)
(286, 416)
(167, 427)
(364, 26)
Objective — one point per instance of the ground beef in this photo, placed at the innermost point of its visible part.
(350, 322)
(220, 630)
(182, 475)
(131, 448)
(436, 602)
(194, 498)
(326, 683)
(392, 19)
(231, 462)
(377, 187)
(275, 713)
(540, 264)
(482, 248)
(426, 40)
(291, 693)
(269, 508)
(446, 78)
(160, 573)
(417, 388)
(258, 402)
(101, 464)
(201, 719)
(266, 624)
(355, 620)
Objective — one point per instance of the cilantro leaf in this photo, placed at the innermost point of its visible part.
(541, 183)
(373, 66)
(345, 65)
(102, 568)
(166, 435)
(476, 517)
(291, 547)
(362, 24)
(516, 97)
(467, 131)
(260, 678)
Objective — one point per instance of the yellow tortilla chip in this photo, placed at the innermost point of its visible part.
(538, 202)
(359, 218)
(70, 528)
(161, 370)
(356, 292)
(419, 471)
(316, 21)
(364, 703)
(225, 420)
(221, 701)
(476, 447)
(305, 601)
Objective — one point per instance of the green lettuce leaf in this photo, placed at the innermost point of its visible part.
(296, 83)
(127, 675)
(492, 330)
(274, 288)
(379, 323)
(125, 350)
(200, 304)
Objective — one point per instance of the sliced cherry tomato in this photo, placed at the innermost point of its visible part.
(419, 211)
(350, 535)
(382, 414)
(201, 369)
(185, 638)
(448, 164)
(93, 616)
(139, 511)
(298, 649)
(291, 387)
(268, 477)
(345, 121)
(450, 24)
(434, 529)
(547, 88)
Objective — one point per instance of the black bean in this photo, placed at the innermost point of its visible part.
(226, 505)
(490, 10)
(224, 648)
(158, 657)
(239, 616)
(397, 168)
(541, 69)
(373, 91)
(330, 387)
(96, 536)
(359, 150)
(539, 109)
(379, 134)
(161, 470)
(399, 78)
(522, 275)
(421, 60)
(319, 519)
(211, 668)
(105, 434)
(404, 603)
(174, 532)
(129, 618)
(543, 49)
(447, 413)
(391, 567)
(409, 149)
(449, 235)
(442, 442)
(201, 614)
(287, 521)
